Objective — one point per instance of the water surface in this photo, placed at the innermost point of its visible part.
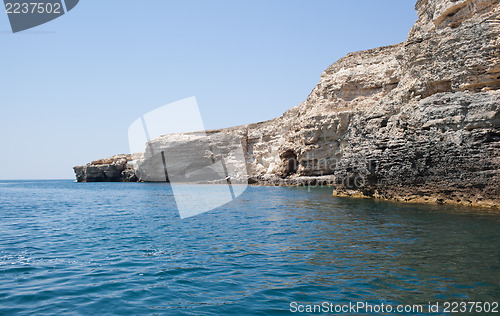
(121, 248)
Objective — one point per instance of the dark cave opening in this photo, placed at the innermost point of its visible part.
(290, 162)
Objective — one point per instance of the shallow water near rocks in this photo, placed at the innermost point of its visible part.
(121, 248)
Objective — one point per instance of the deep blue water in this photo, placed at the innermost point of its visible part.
(121, 248)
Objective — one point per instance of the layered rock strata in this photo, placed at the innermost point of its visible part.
(417, 121)
(113, 169)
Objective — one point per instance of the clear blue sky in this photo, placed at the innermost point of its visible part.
(70, 88)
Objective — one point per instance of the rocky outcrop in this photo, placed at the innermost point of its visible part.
(211, 157)
(113, 169)
(418, 121)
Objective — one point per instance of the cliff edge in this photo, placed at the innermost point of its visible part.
(417, 121)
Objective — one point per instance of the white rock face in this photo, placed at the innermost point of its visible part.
(193, 158)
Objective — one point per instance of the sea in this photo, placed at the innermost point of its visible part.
(71, 248)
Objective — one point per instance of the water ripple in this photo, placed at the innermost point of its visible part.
(115, 248)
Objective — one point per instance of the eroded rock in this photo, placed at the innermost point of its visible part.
(417, 121)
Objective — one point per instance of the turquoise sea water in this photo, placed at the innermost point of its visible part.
(121, 248)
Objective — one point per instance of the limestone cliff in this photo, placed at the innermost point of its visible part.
(113, 169)
(418, 121)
